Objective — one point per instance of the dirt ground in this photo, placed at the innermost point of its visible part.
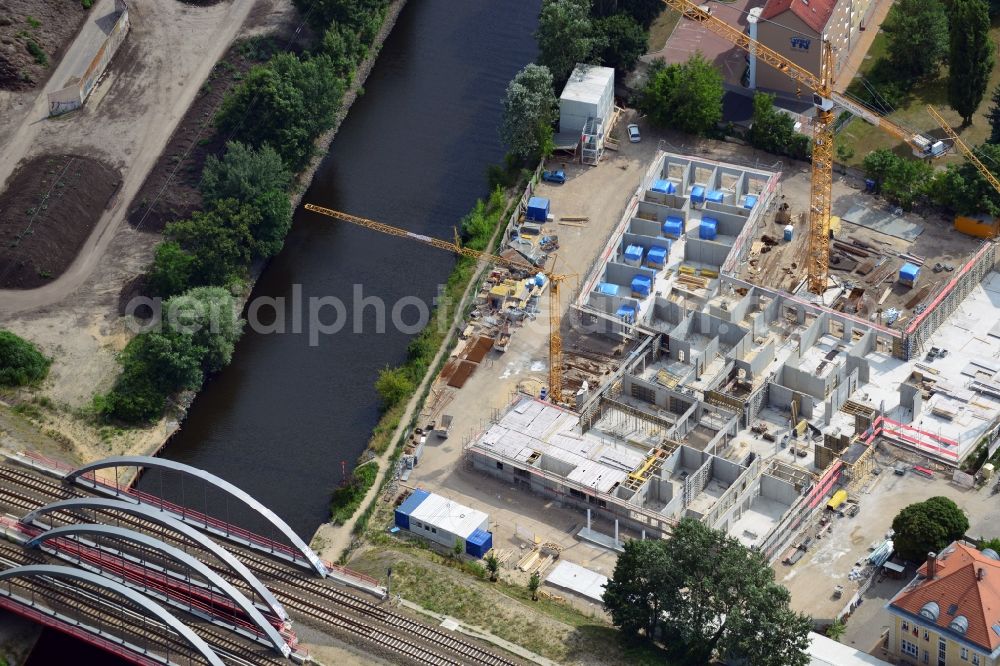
(46, 214)
(50, 25)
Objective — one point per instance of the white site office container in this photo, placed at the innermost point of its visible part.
(589, 93)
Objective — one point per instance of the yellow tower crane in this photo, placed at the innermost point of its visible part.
(555, 335)
(969, 155)
(824, 99)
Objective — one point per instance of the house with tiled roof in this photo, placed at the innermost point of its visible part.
(950, 613)
(796, 29)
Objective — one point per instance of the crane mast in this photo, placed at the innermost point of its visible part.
(555, 320)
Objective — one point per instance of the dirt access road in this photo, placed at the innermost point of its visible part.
(129, 117)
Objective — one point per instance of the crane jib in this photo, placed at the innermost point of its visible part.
(420, 237)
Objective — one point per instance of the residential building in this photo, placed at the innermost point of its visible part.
(950, 613)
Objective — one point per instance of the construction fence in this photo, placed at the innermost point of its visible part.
(75, 94)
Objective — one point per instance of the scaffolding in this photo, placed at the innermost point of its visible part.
(593, 141)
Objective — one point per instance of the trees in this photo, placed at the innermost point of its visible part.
(970, 56)
(963, 190)
(218, 242)
(533, 584)
(492, 563)
(927, 526)
(529, 109)
(687, 96)
(210, 316)
(622, 40)
(836, 630)
(774, 131)
(285, 103)
(712, 596)
(20, 361)
(394, 385)
(565, 37)
(917, 36)
(901, 180)
(353, 13)
(993, 116)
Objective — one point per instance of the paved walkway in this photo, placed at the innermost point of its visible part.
(849, 71)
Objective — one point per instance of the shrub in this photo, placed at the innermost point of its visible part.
(37, 53)
(394, 385)
(20, 361)
(210, 317)
(348, 496)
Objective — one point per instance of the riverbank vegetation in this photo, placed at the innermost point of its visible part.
(272, 118)
(20, 361)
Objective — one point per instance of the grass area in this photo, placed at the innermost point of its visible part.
(660, 31)
(913, 114)
(347, 498)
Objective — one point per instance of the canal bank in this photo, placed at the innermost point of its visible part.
(413, 153)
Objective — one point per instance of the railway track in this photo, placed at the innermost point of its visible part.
(420, 643)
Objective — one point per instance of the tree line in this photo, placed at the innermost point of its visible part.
(272, 118)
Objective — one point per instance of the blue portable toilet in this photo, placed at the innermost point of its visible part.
(749, 201)
(538, 209)
(708, 229)
(642, 285)
(633, 255)
(608, 289)
(404, 510)
(664, 187)
(626, 313)
(657, 256)
(673, 226)
(698, 194)
(716, 197)
(870, 185)
(478, 543)
(540, 280)
(788, 233)
(908, 274)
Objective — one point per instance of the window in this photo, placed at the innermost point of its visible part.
(964, 654)
(419, 524)
(927, 636)
(942, 652)
(499, 465)
(904, 626)
(927, 657)
(975, 659)
(434, 530)
(908, 648)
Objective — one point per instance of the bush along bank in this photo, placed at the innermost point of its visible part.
(272, 119)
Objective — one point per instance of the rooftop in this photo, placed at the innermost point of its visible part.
(587, 83)
(966, 584)
(447, 515)
(815, 13)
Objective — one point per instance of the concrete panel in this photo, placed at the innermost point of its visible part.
(705, 251)
(660, 211)
(778, 490)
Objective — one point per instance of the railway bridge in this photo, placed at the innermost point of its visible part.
(212, 577)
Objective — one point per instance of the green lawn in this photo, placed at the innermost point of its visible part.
(660, 31)
(864, 138)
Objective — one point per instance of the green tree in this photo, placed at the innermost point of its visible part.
(993, 116)
(172, 361)
(171, 271)
(927, 526)
(713, 598)
(353, 13)
(534, 582)
(917, 36)
(346, 50)
(970, 56)
(133, 399)
(774, 131)
(244, 173)
(285, 103)
(565, 37)
(529, 110)
(210, 316)
(492, 563)
(993, 544)
(879, 163)
(219, 242)
(394, 385)
(836, 630)
(907, 181)
(643, 11)
(20, 361)
(622, 40)
(963, 190)
(686, 96)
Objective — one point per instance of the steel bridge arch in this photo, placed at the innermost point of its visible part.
(178, 556)
(161, 518)
(217, 482)
(162, 614)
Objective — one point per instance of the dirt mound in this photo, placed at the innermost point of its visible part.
(48, 210)
(33, 36)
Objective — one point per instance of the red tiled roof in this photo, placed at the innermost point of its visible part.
(815, 13)
(956, 583)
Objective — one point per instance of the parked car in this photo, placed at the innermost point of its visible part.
(554, 176)
(633, 134)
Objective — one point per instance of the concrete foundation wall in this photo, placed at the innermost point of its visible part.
(778, 490)
(665, 205)
(622, 274)
(705, 251)
(780, 397)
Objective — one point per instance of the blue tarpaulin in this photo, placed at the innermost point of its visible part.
(664, 186)
(657, 256)
(608, 289)
(626, 313)
(673, 226)
(708, 229)
(698, 194)
(538, 209)
(716, 196)
(633, 254)
(750, 201)
(642, 285)
(908, 273)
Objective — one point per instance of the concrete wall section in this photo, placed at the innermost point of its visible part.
(705, 251)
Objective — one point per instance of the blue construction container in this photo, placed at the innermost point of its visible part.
(633, 255)
(642, 285)
(749, 201)
(538, 209)
(657, 256)
(403, 511)
(908, 273)
(540, 280)
(626, 313)
(478, 543)
(708, 229)
(788, 233)
(664, 187)
(698, 194)
(607, 289)
(716, 197)
(673, 226)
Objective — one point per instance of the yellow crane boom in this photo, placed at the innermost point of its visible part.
(824, 99)
(555, 334)
(969, 155)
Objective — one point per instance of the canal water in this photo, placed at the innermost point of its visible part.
(287, 417)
